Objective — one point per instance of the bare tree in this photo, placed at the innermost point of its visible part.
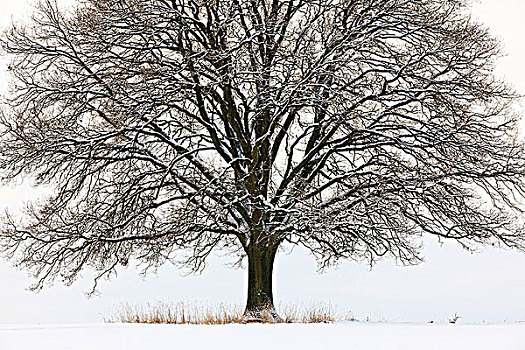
(168, 129)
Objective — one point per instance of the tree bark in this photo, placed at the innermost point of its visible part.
(259, 305)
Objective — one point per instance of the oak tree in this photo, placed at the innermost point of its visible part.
(170, 129)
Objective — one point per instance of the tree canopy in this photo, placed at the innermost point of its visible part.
(169, 129)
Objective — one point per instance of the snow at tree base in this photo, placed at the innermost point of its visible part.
(366, 336)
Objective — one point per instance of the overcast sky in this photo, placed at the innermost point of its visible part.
(484, 287)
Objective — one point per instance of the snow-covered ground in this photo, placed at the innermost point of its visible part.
(354, 335)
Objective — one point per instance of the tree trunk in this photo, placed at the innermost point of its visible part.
(259, 306)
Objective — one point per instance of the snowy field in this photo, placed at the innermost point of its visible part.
(354, 335)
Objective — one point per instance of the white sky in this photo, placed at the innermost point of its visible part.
(484, 287)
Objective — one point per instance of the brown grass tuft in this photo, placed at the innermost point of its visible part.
(181, 313)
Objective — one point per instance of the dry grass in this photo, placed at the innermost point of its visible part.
(312, 313)
(178, 313)
(181, 313)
